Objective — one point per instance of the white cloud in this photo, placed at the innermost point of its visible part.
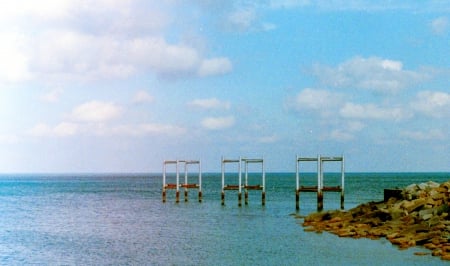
(44, 9)
(68, 129)
(211, 103)
(289, 3)
(268, 139)
(432, 134)
(373, 73)
(439, 25)
(14, 61)
(432, 103)
(64, 129)
(142, 97)
(341, 135)
(242, 19)
(9, 138)
(216, 123)
(144, 129)
(346, 132)
(215, 66)
(372, 111)
(323, 102)
(52, 96)
(96, 111)
(86, 56)
(95, 40)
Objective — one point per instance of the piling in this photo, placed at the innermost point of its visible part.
(320, 188)
(186, 185)
(238, 186)
(248, 187)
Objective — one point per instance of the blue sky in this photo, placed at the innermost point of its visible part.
(120, 86)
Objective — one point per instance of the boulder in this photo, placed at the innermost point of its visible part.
(419, 217)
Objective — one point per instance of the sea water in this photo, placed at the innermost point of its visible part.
(120, 219)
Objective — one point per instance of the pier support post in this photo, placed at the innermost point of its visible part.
(263, 198)
(185, 181)
(319, 200)
(164, 183)
(177, 194)
(240, 183)
(246, 197)
(240, 199)
(263, 194)
(342, 181)
(319, 184)
(297, 199)
(223, 198)
(199, 181)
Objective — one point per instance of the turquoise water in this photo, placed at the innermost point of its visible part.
(119, 219)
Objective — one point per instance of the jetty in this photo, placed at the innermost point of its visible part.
(320, 188)
(242, 182)
(417, 216)
(186, 185)
(246, 186)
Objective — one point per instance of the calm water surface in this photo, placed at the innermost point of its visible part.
(119, 219)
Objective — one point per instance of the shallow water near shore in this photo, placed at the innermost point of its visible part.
(120, 219)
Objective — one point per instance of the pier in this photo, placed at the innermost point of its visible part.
(245, 185)
(239, 186)
(320, 188)
(186, 185)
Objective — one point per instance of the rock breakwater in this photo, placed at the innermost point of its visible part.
(421, 217)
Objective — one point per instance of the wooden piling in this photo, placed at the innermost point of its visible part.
(263, 198)
(186, 185)
(248, 187)
(223, 198)
(237, 187)
(164, 195)
(320, 188)
(240, 199)
(319, 200)
(246, 196)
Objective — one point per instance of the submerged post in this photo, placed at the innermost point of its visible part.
(223, 181)
(164, 183)
(297, 186)
(185, 181)
(342, 181)
(240, 183)
(263, 194)
(319, 184)
(200, 181)
(177, 193)
(246, 183)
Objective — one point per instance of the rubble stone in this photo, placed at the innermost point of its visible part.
(420, 217)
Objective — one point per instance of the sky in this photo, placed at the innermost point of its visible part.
(122, 85)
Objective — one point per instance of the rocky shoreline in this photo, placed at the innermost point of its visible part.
(420, 216)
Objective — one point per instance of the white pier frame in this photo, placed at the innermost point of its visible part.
(320, 188)
(186, 185)
(246, 186)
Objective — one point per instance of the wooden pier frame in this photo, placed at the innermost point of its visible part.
(238, 186)
(186, 185)
(248, 187)
(320, 188)
(166, 185)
